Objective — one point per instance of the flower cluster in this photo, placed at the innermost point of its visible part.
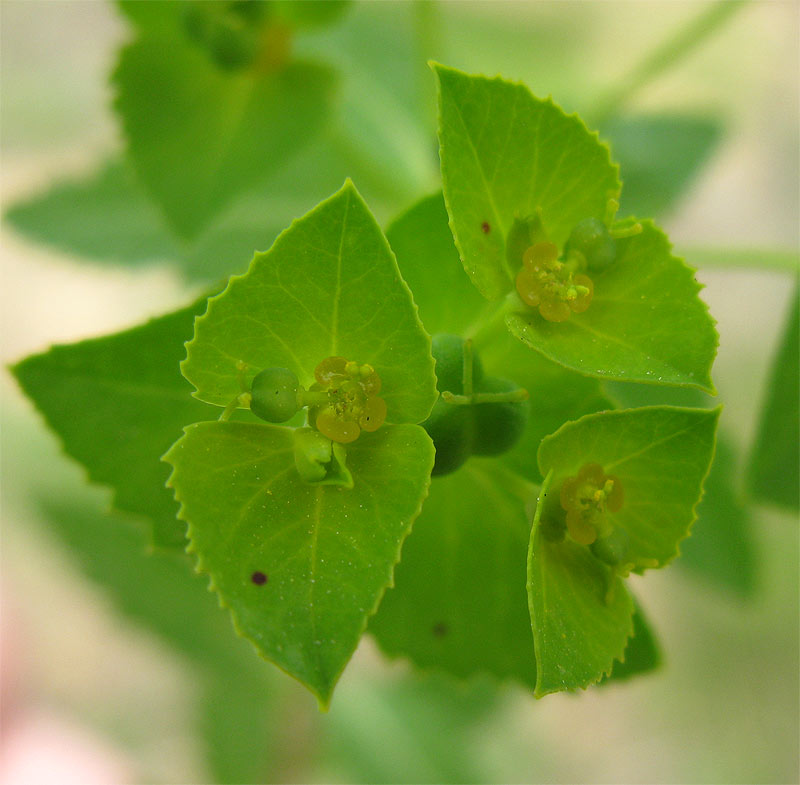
(352, 405)
(552, 285)
(588, 498)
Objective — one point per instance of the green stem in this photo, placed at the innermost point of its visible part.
(312, 398)
(466, 379)
(626, 231)
(240, 401)
(761, 259)
(664, 56)
(513, 396)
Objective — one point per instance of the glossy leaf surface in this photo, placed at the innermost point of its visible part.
(328, 286)
(198, 135)
(645, 323)
(506, 153)
(458, 603)
(300, 566)
(661, 456)
(117, 403)
(580, 611)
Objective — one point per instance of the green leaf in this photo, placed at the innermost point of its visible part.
(198, 136)
(660, 455)
(449, 303)
(328, 286)
(580, 611)
(301, 14)
(642, 653)
(775, 463)
(506, 153)
(780, 259)
(646, 322)
(300, 566)
(107, 216)
(310, 14)
(151, 15)
(660, 156)
(100, 216)
(721, 549)
(429, 263)
(458, 603)
(117, 403)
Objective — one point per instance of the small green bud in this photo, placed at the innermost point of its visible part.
(591, 238)
(274, 392)
(498, 426)
(319, 460)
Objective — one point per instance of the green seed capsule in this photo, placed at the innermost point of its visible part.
(612, 550)
(451, 428)
(591, 238)
(498, 426)
(448, 351)
(274, 392)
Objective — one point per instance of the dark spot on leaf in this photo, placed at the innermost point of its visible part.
(259, 578)
(485, 228)
(439, 629)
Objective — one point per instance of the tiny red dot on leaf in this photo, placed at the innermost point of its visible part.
(259, 578)
(485, 228)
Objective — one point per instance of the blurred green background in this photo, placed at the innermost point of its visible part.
(90, 669)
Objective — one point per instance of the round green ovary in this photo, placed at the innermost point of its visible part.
(590, 237)
(274, 395)
(612, 550)
(460, 430)
(451, 428)
(498, 426)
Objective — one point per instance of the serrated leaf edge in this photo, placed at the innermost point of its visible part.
(438, 68)
(616, 412)
(709, 388)
(620, 656)
(88, 474)
(323, 697)
(349, 188)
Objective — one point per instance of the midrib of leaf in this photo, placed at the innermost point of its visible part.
(582, 325)
(263, 489)
(129, 388)
(337, 293)
(312, 613)
(234, 113)
(650, 446)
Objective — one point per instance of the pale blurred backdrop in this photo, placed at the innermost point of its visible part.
(89, 696)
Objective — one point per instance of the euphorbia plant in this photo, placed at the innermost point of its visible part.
(475, 500)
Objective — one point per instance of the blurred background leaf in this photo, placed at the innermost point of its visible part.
(775, 461)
